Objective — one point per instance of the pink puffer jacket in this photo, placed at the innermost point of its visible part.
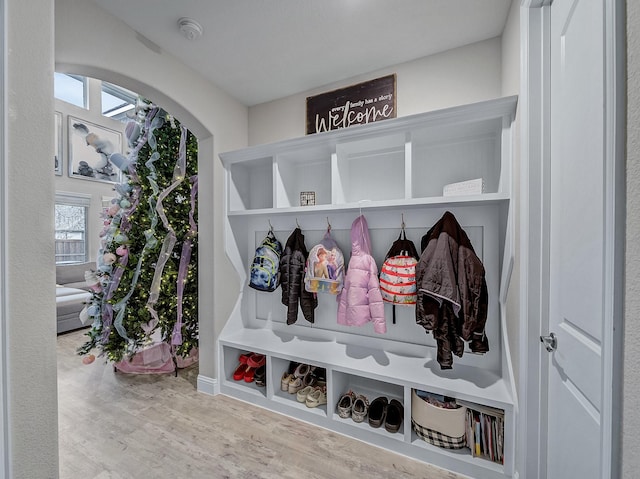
(360, 300)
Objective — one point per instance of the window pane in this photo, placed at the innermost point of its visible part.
(117, 101)
(70, 88)
(70, 233)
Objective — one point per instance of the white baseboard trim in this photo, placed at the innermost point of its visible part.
(208, 385)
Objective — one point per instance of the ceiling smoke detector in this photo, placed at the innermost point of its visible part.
(191, 29)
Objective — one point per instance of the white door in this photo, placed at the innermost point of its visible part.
(580, 243)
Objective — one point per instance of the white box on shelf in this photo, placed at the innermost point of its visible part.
(469, 187)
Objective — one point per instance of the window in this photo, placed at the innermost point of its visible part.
(117, 101)
(71, 211)
(71, 88)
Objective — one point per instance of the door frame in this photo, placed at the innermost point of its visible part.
(4, 234)
(534, 241)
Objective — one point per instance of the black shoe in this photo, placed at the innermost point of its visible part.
(259, 376)
(378, 411)
(395, 415)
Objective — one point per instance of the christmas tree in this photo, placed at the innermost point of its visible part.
(146, 279)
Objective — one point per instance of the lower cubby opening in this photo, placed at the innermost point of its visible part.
(285, 372)
(342, 383)
(458, 427)
(231, 363)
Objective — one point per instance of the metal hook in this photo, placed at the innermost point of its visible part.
(297, 224)
(270, 225)
(402, 222)
(328, 225)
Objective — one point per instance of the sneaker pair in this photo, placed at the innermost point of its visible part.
(312, 396)
(354, 406)
(301, 378)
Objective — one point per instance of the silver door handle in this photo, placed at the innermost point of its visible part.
(550, 342)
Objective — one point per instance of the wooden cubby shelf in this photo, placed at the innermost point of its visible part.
(386, 171)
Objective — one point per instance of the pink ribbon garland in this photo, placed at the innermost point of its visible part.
(107, 308)
(170, 240)
(185, 260)
(125, 224)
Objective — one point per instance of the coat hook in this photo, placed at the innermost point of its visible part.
(270, 225)
(297, 224)
(402, 221)
(328, 225)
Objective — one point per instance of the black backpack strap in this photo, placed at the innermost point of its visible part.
(411, 249)
(402, 246)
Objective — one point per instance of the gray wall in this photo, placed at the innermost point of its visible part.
(631, 422)
(30, 344)
(96, 189)
(455, 77)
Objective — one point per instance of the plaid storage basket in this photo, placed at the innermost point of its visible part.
(438, 426)
(438, 439)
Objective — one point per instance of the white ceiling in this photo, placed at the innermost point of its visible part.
(261, 50)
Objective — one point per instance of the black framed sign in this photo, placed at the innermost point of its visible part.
(366, 102)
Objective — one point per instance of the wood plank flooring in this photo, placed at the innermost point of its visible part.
(117, 426)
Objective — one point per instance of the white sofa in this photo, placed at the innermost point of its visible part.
(72, 294)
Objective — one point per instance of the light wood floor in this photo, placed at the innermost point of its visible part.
(117, 426)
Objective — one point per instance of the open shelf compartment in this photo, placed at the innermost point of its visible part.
(279, 367)
(251, 185)
(308, 170)
(230, 360)
(370, 169)
(342, 383)
(447, 154)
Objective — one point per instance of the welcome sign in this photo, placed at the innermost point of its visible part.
(359, 104)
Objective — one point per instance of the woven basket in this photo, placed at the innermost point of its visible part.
(438, 426)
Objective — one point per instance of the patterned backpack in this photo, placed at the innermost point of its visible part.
(265, 268)
(398, 273)
(324, 271)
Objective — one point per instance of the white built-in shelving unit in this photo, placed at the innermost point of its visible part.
(389, 171)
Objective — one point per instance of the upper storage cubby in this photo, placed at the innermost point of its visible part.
(371, 169)
(403, 161)
(303, 171)
(447, 154)
(251, 184)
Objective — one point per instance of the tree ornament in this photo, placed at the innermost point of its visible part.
(120, 238)
(88, 359)
(109, 258)
(113, 210)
